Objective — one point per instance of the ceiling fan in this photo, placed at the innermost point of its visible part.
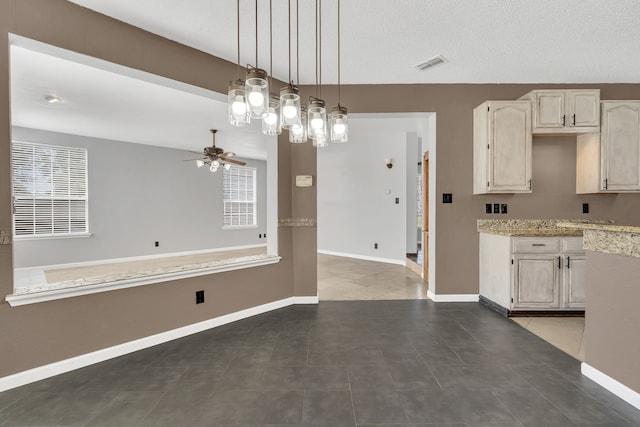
(215, 157)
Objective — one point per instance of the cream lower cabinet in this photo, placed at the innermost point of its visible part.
(536, 281)
(609, 161)
(532, 273)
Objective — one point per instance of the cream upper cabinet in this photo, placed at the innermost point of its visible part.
(610, 161)
(565, 111)
(502, 147)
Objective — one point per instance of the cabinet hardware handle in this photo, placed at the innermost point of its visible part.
(574, 119)
(606, 183)
(563, 120)
(559, 262)
(568, 262)
(538, 244)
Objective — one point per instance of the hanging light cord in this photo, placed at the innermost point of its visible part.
(256, 33)
(317, 95)
(320, 42)
(289, 25)
(238, 17)
(297, 42)
(270, 44)
(338, 53)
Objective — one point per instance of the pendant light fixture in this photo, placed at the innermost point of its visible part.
(289, 95)
(238, 112)
(271, 122)
(317, 112)
(338, 120)
(256, 85)
(298, 131)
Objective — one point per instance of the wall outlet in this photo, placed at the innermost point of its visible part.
(157, 244)
(199, 297)
(259, 236)
(496, 208)
(375, 246)
(487, 208)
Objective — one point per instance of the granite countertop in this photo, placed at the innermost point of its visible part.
(608, 238)
(535, 227)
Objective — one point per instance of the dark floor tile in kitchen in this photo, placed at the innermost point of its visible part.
(252, 407)
(378, 406)
(383, 363)
(327, 409)
(127, 409)
(306, 378)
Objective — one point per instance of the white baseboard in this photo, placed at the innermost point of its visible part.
(363, 257)
(614, 386)
(452, 297)
(306, 300)
(77, 362)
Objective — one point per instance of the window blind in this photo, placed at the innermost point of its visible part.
(49, 189)
(239, 197)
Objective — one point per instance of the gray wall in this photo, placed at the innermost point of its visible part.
(356, 193)
(140, 194)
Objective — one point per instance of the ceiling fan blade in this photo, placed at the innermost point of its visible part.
(237, 162)
(191, 160)
(228, 154)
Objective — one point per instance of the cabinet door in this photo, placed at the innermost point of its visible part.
(550, 111)
(620, 145)
(583, 108)
(574, 281)
(510, 147)
(536, 281)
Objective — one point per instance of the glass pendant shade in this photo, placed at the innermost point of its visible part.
(320, 142)
(257, 90)
(237, 104)
(339, 124)
(289, 106)
(317, 119)
(271, 122)
(298, 131)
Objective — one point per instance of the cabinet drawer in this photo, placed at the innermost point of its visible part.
(536, 244)
(572, 244)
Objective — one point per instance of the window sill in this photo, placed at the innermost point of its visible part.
(74, 288)
(52, 236)
(238, 227)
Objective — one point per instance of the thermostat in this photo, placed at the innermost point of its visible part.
(304, 180)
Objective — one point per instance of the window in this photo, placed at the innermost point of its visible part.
(49, 190)
(239, 197)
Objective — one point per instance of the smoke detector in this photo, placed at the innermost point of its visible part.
(431, 62)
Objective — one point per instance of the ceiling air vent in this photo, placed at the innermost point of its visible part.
(431, 62)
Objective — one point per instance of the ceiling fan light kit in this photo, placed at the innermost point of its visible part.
(250, 98)
(215, 157)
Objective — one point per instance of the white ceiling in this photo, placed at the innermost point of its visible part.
(485, 41)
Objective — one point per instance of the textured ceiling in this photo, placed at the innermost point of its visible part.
(485, 41)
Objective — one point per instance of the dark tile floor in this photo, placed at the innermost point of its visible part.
(369, 363)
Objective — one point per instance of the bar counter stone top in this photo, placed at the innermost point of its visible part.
(535, 227)
(608, 238)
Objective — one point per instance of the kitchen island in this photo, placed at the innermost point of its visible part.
(612, 321)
